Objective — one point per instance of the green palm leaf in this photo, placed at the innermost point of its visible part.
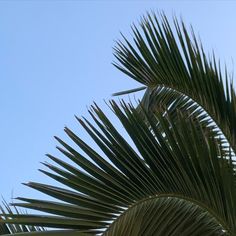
(168, 58)
(178, 169)
(169, 102)
(164, 216)
(175, 177)
(6, 229)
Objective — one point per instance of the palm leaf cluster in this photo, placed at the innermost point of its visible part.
(170, 59)
(14, 228)
(176, 176)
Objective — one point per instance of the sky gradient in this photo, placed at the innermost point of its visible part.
(56, 59)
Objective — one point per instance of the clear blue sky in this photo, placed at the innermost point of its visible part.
(55, 60)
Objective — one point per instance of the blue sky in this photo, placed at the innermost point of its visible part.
(55, 60)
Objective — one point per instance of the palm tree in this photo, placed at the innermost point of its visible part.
(176, 177)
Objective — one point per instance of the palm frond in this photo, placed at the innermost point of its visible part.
(3, 228)
(164, 216)
(174, 59)
(10, 229)
(166, 101)
(174, 178)
(179, 168)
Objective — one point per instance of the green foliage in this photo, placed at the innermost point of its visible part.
(176, 177)
(6, 229)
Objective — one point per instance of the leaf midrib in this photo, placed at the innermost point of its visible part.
(203, 206)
